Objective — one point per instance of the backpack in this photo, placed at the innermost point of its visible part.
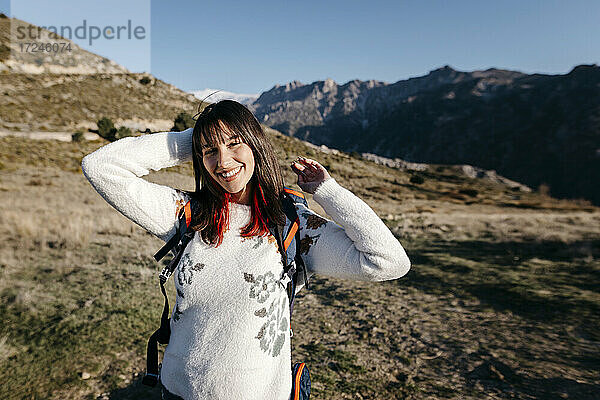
(294, 274)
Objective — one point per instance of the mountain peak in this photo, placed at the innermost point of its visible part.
(293, 85)
(445, 69)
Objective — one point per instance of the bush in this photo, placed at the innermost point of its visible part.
(77, 137)
(123, 132)
(106, 129)
(469, 192)
(145, 80)
(417, 179)
(182, 122)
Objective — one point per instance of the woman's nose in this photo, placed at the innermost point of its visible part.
(224, 158)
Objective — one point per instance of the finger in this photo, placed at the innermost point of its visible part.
(302, 173)
(297, 166)
(314, 169)
(311, 164)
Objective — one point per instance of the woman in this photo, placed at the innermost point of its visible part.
(230, 325)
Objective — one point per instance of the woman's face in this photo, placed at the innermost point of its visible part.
(231, 164)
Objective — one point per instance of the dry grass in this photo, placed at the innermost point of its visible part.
(59, 102)
(499, 283)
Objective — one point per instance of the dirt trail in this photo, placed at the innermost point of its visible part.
(62, 136)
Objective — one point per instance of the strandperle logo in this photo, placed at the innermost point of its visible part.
(84, 31)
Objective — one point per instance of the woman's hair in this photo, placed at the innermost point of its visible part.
(212, 218)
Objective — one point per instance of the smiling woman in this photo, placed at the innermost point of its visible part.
(230, 328)
(235, 161)
(231, 163)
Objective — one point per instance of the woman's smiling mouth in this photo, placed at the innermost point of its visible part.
(231, 175)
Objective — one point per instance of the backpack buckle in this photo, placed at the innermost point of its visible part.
(287, 276)
(285, 279)
(165, 274)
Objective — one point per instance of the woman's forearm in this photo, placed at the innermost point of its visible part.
(115, 171)
(359, 245)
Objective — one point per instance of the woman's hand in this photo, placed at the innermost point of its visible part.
(310, 174)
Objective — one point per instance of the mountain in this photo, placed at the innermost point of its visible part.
(69, 91)
(223, 95)
(535, 129)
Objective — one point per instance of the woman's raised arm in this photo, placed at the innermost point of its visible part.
(357, 245)
(115, 171)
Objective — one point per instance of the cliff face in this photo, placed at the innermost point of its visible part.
(531, 128)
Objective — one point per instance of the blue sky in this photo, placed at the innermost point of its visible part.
(248, 47)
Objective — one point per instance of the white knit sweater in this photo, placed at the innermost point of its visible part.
(230, 325)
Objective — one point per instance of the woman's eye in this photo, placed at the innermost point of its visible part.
(234, 144)
(209, 151)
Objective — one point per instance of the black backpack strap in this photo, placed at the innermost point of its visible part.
(177, 244)
(161, 335)
(185, 219)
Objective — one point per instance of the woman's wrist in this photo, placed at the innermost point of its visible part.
(326, 189)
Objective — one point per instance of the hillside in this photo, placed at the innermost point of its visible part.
(535, 129)
(501, 301)
(69, 92)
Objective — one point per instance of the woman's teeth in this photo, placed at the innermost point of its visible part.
(231, 173)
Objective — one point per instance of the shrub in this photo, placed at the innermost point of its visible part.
(469, 192)
(182, 122)
(106, 129)
(77, 137)
(145, 80)
(123, 132)
(417, 179)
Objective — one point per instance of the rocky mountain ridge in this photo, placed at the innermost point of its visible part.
(535, 129)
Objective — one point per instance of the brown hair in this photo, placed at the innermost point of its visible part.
(212, 218)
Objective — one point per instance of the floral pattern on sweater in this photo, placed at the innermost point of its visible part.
(186, 269)
(314, 221)
(262, 286)
(259, 240)
(306, 242)
(271, 335)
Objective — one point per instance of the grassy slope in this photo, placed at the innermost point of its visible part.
(59, 101)
(502, 299)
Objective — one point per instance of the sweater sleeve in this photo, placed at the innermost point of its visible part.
(355, 245)
(115, 171)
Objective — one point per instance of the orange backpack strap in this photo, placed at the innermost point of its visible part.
(300, 382)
